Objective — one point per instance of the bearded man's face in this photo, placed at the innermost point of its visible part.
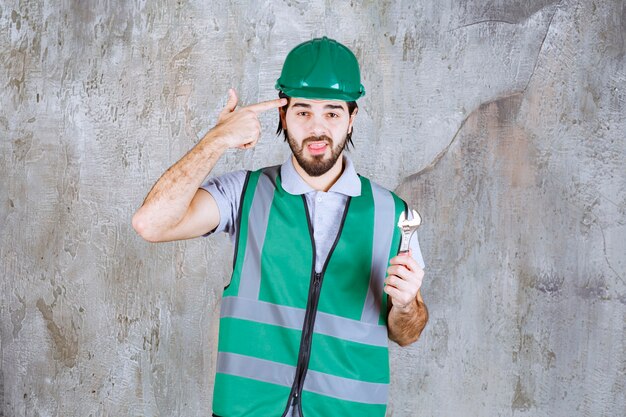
(317, 132)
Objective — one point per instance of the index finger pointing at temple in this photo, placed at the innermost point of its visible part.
(267, 105)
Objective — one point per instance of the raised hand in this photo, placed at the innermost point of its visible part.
(240, 127)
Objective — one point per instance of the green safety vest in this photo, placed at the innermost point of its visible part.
(293, 338)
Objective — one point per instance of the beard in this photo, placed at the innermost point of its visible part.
(317, 165)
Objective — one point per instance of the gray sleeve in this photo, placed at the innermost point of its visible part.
(226, 190)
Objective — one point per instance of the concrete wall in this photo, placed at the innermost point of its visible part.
(501, 121)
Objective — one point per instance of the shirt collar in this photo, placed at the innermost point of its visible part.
(348, 183)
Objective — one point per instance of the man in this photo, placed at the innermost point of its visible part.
(305, 319)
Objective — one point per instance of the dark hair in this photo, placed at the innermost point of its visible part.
(351, 107)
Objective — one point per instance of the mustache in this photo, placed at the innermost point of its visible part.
(317, 139)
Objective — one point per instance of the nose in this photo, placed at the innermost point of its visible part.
(317, 126)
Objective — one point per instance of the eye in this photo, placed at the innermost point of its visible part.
(333, 115)
(302, 113)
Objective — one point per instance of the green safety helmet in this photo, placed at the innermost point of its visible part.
(321, 68)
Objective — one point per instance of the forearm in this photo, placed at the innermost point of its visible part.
(406, 324)
(169, 199)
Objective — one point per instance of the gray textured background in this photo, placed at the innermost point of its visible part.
(502, 121)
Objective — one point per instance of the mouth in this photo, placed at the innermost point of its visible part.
(317, 147)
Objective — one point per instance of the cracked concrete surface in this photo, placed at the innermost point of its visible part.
(501, 121)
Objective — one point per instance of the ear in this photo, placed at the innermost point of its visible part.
(352, 116)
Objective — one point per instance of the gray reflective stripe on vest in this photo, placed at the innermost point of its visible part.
(250, 282)
(384, 219)
(257, 369)
(345, 389)
(317, 382)
(292, 318)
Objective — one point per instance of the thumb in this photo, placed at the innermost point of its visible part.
(231, 103)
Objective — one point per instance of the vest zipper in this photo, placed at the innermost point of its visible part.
(315, 287)
(305, 342)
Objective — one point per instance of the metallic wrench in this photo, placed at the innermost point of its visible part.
(408, 227)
